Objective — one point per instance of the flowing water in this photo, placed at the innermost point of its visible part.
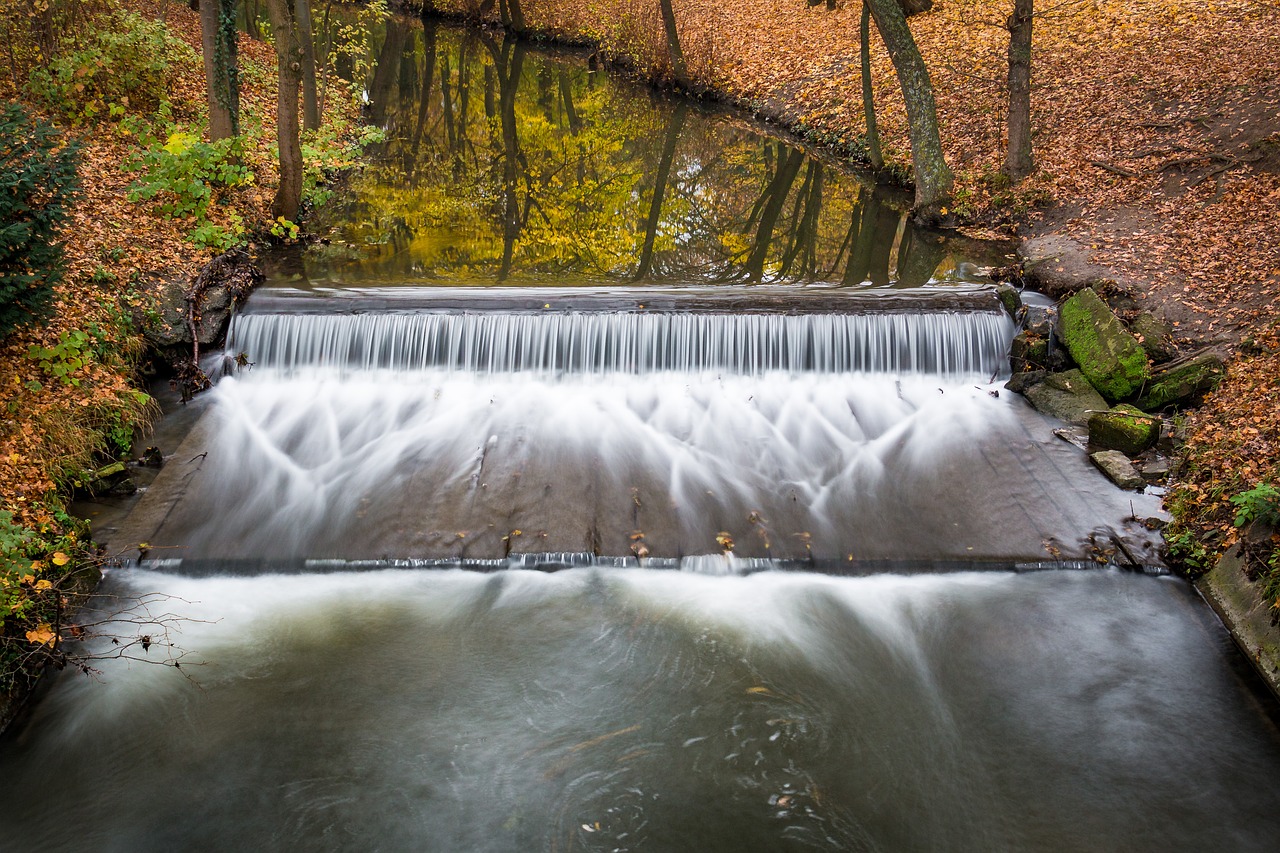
(616, 478)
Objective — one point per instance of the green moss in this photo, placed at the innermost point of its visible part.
(1182, 383)
(1124, 428)
(1109, 357)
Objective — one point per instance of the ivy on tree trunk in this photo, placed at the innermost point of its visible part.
(221, 66)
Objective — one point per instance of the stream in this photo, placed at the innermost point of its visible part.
(615, 475)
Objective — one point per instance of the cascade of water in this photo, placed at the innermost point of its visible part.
(951, 344)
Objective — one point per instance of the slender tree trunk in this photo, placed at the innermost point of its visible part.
(512, 16)
(490, 97)
(221, 67)
(933, 177)
(1018, 162)
(659, 190)
(464, 102)
(868, 96)
(446, 101)
(678, 68)
(289, 65)
(860, 256)
(310, 98)
(804, 238)
(322, 61)
(886, 226)
(387, 71)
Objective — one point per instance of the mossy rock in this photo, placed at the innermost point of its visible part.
(1109, 357)
(1183, 382)
(1033, 350)
(1124, 428)
(1067, 396)
(1010, 299)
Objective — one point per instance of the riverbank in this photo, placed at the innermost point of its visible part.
(73, 387)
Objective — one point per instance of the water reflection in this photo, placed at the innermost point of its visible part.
(503, 163)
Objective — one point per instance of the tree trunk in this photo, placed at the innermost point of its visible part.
(288, 67)
(570, 111)
(882, 233)
(918, 257)
(221, 69)
(512, 16)
(678, 68)
(868, 97)
(860, 256)
(659, 190)
(446, 101)
(1018, 162)
(933, 177)
(310, 99)
(804, 243)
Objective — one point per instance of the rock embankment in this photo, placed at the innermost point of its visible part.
(1117, 383)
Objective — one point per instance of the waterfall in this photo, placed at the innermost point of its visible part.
(949, 344)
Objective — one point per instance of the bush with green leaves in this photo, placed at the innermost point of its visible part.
(182, 177)
(123, 68)
(182, 174)
(1261, 503)
(37, 183)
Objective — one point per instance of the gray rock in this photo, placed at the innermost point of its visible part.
(214, 314)
(1156, 337)
(1067, 396)
(1020, 382)
(1155, 470)
(1118, 469)
(168, 326)
(1037, 315)
(210, 299)
(1058, 265)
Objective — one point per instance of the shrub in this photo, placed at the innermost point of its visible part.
(181, 175)
(184, 175)
(1261, 503)
(125, 67)
(37, 182)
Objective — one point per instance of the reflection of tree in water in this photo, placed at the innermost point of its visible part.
(555, 171)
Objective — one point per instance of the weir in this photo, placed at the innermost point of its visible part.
(533, 514)
(446, 433)
(946, 344)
